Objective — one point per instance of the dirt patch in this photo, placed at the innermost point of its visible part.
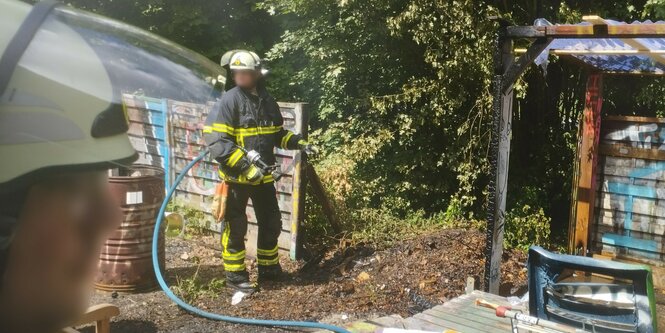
(347, 284)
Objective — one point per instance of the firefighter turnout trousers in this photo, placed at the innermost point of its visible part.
(269, 219)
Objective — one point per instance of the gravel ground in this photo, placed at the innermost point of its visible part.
(347, 284)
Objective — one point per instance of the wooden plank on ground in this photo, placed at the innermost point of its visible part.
(456, 323)
(477, 294)
(471, 319)
(467, 311)
(422, 325)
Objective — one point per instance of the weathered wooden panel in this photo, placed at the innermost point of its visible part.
(198, 186)
(645, 135)
(630, 219)
(641, 223)
(147, 130)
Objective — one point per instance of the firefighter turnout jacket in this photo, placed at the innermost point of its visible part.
(242, 119)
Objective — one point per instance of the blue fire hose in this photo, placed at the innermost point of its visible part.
(197, 311)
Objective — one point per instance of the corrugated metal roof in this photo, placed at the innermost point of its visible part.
(634, 55)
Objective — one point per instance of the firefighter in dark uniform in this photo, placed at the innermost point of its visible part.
(245, 126)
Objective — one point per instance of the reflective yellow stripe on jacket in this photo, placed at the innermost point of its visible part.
(285, 140)
(243, 180)
(223, 128)
(235, 157)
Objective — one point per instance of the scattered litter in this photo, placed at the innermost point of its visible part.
(114, 295)
(364, 276)
(515, 301)
(420, 303)
(365, 262)
(425, 283)
(237, 297)
(345, 317)
(184, 256)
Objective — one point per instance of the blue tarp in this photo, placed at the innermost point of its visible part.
(630, 63)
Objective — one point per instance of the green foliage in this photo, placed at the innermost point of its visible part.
(401, 100)
(654, 9)
(526, 226)
(196, 221)
(193, 288)
(388, 79)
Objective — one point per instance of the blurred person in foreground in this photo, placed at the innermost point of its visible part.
(63, 73)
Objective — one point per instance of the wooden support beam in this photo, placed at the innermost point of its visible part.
(587, 156)
(601, 52)
(525, 32)
(517, 68)
(646, 30)
(596, 30)
(594, 19)
(299, 185)
(499, 157)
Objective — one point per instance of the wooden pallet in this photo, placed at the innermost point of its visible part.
(457, 315)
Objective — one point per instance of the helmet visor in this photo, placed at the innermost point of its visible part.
(72, 44)
(64, 101)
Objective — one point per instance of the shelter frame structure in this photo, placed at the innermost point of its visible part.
(603, 47)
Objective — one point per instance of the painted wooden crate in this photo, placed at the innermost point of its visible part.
(168, 133)
(630, 200)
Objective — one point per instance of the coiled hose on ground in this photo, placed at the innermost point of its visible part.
(195, 310)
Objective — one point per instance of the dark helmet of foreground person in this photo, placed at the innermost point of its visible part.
(63, 74)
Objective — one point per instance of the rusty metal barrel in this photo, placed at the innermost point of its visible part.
(125, 264)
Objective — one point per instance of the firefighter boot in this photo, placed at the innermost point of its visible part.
(272, 273)
(239, 281)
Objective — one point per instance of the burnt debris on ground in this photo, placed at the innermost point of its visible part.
(347, 284)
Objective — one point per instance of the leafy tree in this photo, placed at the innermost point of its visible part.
(401, 97)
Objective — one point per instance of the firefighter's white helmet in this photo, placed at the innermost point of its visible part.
(245, 60)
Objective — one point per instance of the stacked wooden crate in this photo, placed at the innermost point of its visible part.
(630, 200)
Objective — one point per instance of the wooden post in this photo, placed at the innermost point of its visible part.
(320, 193)
(500, 154)
(587, 159)
(299, 186)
